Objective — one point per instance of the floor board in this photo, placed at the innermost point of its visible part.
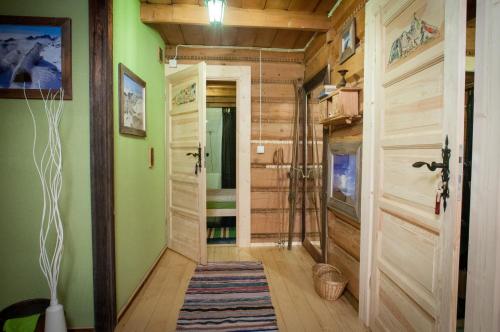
(297, 306)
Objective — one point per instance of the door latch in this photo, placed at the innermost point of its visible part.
(197, 155)
(445, 170)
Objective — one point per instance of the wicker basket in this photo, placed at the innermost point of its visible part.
(329, 281)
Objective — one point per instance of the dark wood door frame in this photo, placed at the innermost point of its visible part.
(102, 163)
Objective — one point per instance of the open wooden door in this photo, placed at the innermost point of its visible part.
(415, 53)
(186, 177)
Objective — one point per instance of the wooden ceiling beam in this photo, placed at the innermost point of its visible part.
(234, 17)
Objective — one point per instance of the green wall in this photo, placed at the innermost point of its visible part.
(20, 193)
(139, 191)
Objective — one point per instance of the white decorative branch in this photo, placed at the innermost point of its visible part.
(49, 169)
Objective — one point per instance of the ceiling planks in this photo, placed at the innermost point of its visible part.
(228, 36)
(303, 38)
(278, 4)
(173, 33)
(193, 35)
(285, 38)
(212, 35)
(264, 38)
(246, 37)
(255, 4)
(256, 23)
(238, 17)
(300, 5)
(324, 7)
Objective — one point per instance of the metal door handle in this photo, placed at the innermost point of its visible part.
(445, 170)
(197, 155)
(431, 166)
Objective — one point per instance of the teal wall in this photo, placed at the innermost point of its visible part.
(139, 191)
(20, 192)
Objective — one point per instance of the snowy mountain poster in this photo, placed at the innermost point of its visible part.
(132, 102)
(35, 56)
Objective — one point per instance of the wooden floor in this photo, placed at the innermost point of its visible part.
(297, 306)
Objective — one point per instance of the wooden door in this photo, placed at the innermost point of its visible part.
(186, 175)
(415, 80)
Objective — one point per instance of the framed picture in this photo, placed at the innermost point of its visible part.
(132, 103)
(35, 54)
(348, 41)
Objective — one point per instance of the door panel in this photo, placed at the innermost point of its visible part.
(414, 251)
(398, 311)
(186, 103)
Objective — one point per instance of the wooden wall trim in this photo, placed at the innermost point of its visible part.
(367, 200)
(102, 162)
(482, 311)
(242, 76)
(236, 58)
(272, 81)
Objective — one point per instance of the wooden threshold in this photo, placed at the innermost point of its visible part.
(222, 212)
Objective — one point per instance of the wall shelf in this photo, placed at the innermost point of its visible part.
(341, 121)
(341, 107)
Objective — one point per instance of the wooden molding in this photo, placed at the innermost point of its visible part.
(313, 250)
(482, 311)
(241, 75)
(102, 162)
(234, 17)
(235, 58)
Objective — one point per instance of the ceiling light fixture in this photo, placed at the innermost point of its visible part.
(215, 11)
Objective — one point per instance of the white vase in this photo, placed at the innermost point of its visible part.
(54, 319)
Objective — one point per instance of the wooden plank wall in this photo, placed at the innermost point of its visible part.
(343, 234)
(279, 72)
(324, 49)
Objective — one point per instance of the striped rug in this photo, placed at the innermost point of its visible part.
(221, 235)
(228, 296)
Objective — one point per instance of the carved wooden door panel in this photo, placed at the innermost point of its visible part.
(186, 178)
(418, 102)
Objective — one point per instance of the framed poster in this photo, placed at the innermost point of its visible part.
(35, 55)
(132, 91)
(348, 41)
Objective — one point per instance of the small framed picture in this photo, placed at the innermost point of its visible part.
(132, 103)
(348, 41)
(35, 56)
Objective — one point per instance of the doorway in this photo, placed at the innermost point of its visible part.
(221, 163)
(467, 155)
(413, 136)
(228, 202)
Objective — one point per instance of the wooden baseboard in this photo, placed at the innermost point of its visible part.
(271, 244)
(313, 251)
(351, 299)
(141, 284)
